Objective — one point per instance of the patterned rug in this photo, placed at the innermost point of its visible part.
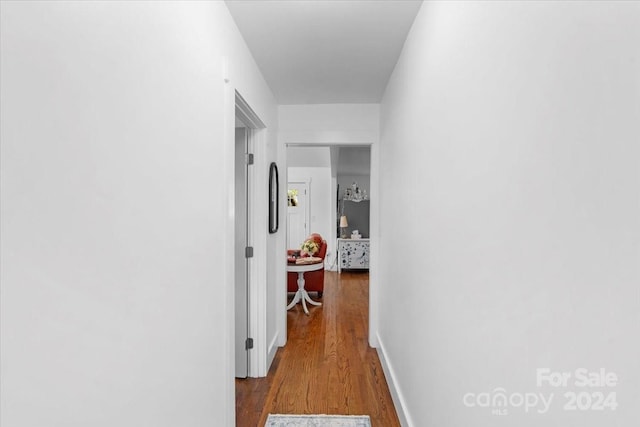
(278, 420)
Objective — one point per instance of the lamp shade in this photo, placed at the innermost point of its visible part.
(343, 221)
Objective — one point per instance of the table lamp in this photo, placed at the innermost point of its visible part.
(343, 226)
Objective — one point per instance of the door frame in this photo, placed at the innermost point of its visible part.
(242, 263)
(347, 139)
(256, 217)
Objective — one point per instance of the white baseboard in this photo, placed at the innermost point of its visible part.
(394, 389)
(271, 351)
(330, 265)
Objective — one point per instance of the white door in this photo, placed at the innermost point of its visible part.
(297, 214)
(241, 261)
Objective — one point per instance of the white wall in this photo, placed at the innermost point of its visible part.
(309, 157)
(320, 208)
(329, 124)
(517, 124)
(117, 133)
(313, 165)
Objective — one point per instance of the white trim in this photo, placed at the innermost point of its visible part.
(273, 349)
(396, 393)
(374, 234)
(246, 114)
(258, 264)
(253, 298)
(329, 139)
(228, 274)
(281, 247)
(257, 217)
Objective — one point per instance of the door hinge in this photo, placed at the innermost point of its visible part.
(249, 158)
(248, 252)
(248, 344)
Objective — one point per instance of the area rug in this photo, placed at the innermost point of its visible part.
(279, 420)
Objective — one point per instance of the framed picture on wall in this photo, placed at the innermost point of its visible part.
(273, 198)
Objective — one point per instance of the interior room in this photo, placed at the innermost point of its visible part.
(329, 175)
(504, 203)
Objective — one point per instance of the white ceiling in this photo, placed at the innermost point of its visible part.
(325, 51)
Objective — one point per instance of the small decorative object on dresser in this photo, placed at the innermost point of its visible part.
(343, 226)
(353, 254)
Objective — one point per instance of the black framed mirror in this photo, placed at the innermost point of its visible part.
(273, 198)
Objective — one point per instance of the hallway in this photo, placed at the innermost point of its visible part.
(327, 365)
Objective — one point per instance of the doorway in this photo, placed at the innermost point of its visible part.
(242, 209)
(330, 170)
(246, 302)
(297, 213)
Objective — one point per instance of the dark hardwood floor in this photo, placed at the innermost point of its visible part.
(327, 366)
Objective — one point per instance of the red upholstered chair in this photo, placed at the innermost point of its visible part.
(313, 280)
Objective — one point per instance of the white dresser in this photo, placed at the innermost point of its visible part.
(353, 254)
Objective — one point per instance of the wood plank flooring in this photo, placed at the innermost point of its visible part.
(327, 366)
